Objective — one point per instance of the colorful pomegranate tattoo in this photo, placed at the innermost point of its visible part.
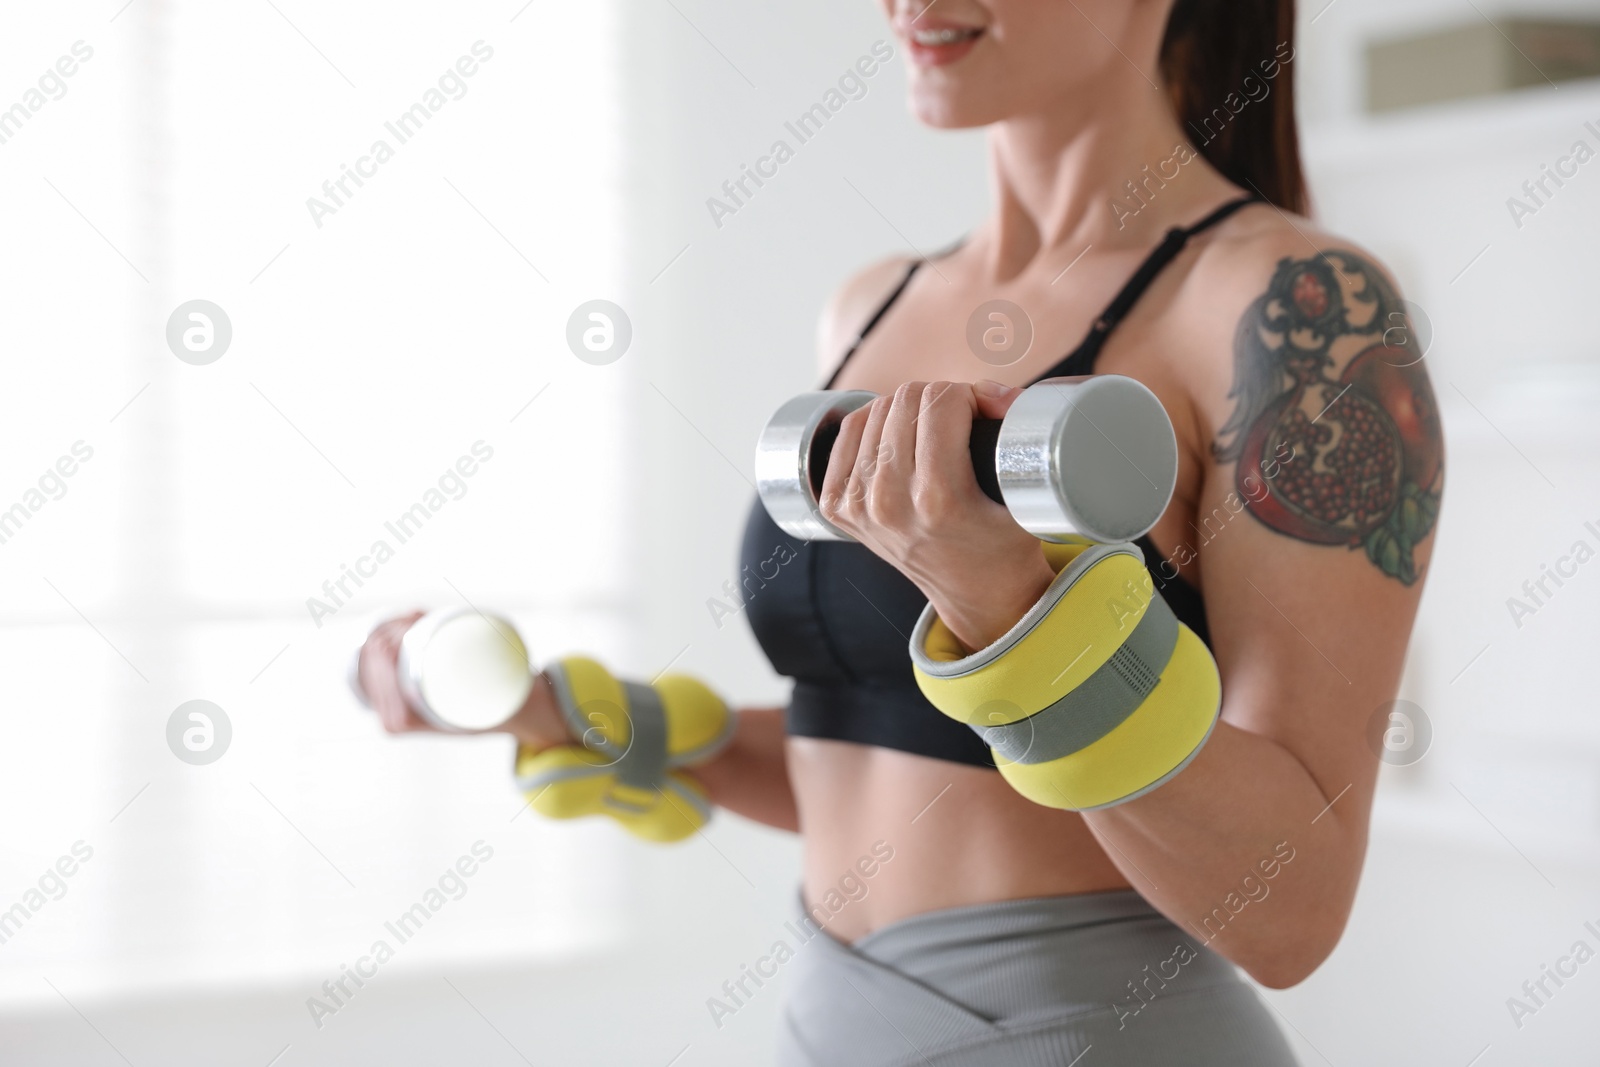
(1367, 465)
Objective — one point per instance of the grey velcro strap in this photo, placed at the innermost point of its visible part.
(1099, 705)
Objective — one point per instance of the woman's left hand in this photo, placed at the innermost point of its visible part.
(900, 481)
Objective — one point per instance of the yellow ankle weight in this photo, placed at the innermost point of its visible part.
(633, 746)
(1096, 696)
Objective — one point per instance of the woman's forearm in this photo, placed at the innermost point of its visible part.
(1244, 850)
(750, 776)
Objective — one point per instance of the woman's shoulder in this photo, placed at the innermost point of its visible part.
(1275, 307)
(1266, 265)
(852, 304)
(1259, 242)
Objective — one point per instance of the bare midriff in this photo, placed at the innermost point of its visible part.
(956, 835)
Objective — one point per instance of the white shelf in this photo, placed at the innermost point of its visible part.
(1440, 133)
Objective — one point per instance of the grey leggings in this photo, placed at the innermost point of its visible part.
(1100, 980)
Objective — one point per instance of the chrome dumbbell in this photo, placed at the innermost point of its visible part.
(1087, 458)
(461, 670)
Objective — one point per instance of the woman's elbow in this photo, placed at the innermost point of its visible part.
(1284, 973)
(1285, 962)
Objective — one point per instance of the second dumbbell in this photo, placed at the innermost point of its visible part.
(1090, 458)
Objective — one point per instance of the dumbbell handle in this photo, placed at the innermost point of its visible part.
(985, 436)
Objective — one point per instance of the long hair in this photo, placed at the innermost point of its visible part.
(1229, 67)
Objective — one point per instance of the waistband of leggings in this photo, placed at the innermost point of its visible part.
(1004, 919)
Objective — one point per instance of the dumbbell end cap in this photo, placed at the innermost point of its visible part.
(1091, 458)
(482, 679)
(352, 675)
(787, 472)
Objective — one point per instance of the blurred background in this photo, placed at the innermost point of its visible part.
(422, 314)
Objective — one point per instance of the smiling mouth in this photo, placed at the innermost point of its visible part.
(944, 37)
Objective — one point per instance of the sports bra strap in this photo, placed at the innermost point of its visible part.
(883, 309)
(1081, 360)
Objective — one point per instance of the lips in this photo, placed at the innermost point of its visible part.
(934, 42)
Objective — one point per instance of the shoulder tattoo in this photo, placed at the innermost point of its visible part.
(1335, 431)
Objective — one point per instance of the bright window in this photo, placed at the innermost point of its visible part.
(413, 315)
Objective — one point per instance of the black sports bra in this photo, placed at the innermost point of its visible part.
(837, 618)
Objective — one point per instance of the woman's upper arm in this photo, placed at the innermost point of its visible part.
(1316, 514)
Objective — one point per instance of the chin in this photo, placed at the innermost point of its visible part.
(948, 108)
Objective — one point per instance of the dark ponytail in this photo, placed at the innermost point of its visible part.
(1228, 65)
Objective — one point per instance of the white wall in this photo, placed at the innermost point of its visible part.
(1486, 855)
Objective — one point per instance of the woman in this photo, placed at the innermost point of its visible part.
(1147, 220)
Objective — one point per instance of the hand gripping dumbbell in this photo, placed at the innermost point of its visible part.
(633, 746)
(1088, 458)
(462, 671)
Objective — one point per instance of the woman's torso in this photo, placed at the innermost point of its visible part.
(959, 834)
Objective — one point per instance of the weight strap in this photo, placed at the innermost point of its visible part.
(1100, 704)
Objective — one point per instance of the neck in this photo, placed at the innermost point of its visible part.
(1059, 175)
